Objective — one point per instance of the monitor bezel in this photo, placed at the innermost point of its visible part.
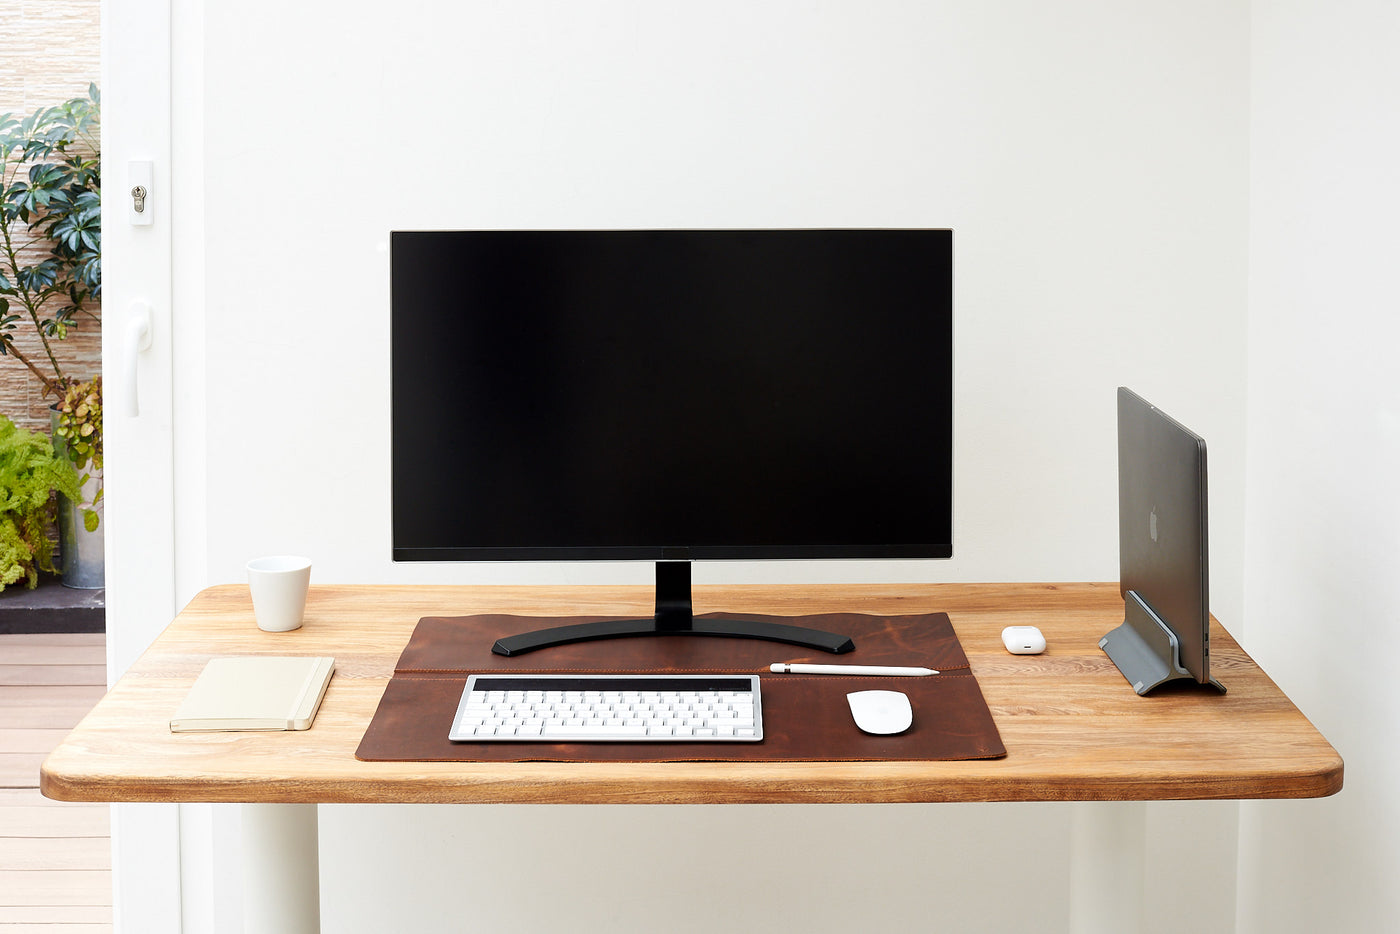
(707, 552)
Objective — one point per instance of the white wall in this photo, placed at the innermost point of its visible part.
(1322, 593)
(1091, 156)
(1091, 159)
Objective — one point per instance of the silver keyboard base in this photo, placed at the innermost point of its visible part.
(609, 709)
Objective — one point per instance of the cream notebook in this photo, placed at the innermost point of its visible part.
(254, 693)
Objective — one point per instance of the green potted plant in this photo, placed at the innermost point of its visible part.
(51, 273)
(30, 473)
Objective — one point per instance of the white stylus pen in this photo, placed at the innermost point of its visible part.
(785, 668)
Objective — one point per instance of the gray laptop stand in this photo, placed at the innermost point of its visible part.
(1145, 649)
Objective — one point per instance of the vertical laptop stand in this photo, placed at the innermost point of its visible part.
(1145, 649)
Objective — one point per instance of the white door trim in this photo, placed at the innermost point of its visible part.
(138, 468)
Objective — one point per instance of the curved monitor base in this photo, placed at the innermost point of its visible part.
(674, 618)
(621, 628)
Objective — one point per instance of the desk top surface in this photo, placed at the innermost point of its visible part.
(1072, 726)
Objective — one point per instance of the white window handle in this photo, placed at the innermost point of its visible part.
(136, 338)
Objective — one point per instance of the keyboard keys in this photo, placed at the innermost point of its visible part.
(609, 708)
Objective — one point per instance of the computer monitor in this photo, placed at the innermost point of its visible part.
(1163, 558)
(670, 396)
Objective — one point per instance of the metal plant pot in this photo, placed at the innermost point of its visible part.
(82, 552)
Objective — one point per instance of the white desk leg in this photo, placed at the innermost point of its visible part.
(1107, 858)
(281, 869)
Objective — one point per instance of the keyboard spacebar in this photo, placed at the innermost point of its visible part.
(598, 731)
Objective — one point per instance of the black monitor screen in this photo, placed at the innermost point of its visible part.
(660, 394)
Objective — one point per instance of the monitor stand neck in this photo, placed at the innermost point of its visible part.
(673, 607)
(674, 618)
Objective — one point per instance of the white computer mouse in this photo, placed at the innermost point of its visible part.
(1023, 640)
(881, 712)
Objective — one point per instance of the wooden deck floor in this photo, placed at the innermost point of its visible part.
(55, 857)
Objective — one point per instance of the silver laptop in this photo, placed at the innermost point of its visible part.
(1163, 560)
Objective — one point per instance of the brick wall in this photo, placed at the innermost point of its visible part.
(50, 50)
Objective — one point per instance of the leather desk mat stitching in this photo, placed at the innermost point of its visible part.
(805, 717)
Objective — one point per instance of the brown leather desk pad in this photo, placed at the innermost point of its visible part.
(805, 717)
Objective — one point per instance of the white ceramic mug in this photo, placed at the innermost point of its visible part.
(278, 584)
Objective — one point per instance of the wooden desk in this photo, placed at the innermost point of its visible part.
(1072, 726)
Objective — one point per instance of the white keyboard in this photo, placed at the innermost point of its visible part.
(609, 708)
